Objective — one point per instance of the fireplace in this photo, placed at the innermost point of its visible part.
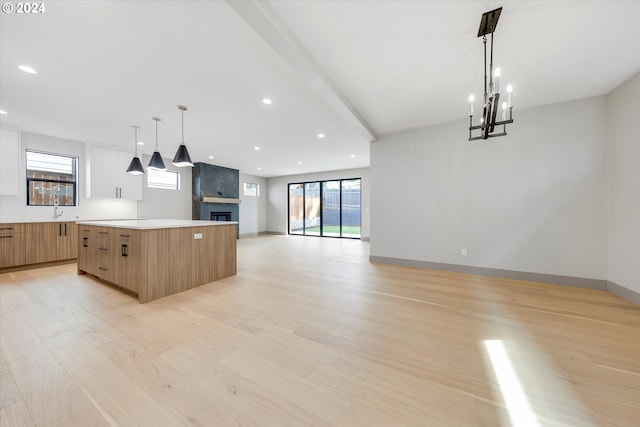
(220, 216)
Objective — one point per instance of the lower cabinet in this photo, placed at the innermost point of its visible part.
(156, 262)
(87, 256)
(12, 245)
(37, 242)
(111, 254)
(50, 241)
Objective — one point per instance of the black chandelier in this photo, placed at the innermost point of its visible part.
(489, 119)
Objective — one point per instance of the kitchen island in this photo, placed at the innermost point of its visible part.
(154, 258)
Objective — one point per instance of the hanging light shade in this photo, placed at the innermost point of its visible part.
(156, 161)
(182, 157)
(135, 167)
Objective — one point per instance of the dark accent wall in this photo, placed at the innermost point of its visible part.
(214, 181)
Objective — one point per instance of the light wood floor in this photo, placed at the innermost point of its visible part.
(310, 333)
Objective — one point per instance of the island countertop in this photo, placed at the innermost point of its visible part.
(152, 224)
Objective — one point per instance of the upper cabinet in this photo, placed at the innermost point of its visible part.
(108, 177)
(9, 162)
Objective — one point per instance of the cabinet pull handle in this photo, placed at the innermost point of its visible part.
(60, 229)
(6, 228)
(85, 242)
(103, 269)
(125, 250)
(85, 230)
(65, 228)
(124, 235)
(102, 232)
(5, 237)
(102, 249)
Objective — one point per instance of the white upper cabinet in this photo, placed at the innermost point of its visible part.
(108, 177)
(9, 162)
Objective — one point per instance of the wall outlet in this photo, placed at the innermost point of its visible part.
(197, 236)
(463, 251)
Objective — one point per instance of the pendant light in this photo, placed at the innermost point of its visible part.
(135, 167)
(489, 119)
(182, 157)
(156, 161)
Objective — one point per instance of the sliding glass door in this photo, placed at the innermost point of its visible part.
(350, 208)
(296, 208)
(326, 208)
(331, 208)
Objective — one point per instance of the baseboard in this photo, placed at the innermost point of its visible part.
(259, 233)
(623, 292)
(580, 282)
(365, 239)
(38, 265)
(276, 233)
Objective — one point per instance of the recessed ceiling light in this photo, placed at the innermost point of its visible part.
(259, 168)
(321, 135)
(27, 69)
(211, 157)
(353, 155)
(266, 101)
(256, 148)
(140, 143)
(299, 163)
(3, 112)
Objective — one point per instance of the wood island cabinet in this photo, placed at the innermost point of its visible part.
(154, 262)
(12, 245)
(86, 245)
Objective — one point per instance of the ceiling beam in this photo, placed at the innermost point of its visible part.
(271, 28)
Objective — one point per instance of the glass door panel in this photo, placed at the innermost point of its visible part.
(351, 208)
(331, 208)
(296, 209)
(312, 209)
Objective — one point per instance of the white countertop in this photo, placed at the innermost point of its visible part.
(149, 224)
(26, 221)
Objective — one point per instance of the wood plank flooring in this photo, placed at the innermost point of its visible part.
(310, 333)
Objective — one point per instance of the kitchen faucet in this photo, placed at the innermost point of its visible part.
(56, 214)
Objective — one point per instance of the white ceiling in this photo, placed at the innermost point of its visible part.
(349, 69)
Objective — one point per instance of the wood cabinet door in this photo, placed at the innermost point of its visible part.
(12, 240)
(87, 249)
(127, 259)
(67, 243)
(42, 242)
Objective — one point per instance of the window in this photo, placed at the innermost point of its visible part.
(51, 176)
(251, 189)
(167, 180)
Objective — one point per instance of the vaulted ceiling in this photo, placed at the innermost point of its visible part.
(350, 70)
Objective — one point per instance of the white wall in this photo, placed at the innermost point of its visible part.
(253, 210)
(623, 143)
(15, 207)
(532, 201)
(158, 203)
(278, 193)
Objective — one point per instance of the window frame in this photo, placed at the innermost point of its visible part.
(244, 189)
(74, 183)
(159, 187)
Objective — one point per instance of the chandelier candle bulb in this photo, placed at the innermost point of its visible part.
(509, 91)
(504, 111)
(471, 99)
(496, 80)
